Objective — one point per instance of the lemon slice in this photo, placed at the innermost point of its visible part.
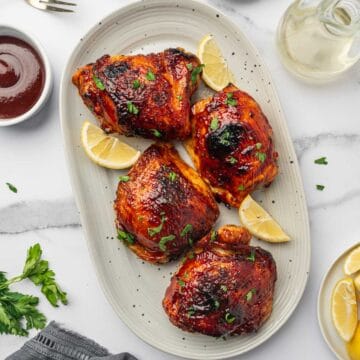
(216, 73)
(106, 150)
(260, 223)
(353, 347)
(357, 283)
(344, 308)
(352, 262)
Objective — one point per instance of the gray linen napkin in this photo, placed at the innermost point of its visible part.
(57, 343)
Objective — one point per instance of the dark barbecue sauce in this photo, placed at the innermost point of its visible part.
(22, 77)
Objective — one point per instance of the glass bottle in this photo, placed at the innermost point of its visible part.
(319, 39)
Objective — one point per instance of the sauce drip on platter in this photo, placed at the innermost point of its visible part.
(22, 77)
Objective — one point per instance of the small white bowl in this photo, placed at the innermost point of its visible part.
(9, 30)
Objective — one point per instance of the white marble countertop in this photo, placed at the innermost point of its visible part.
(323, 121)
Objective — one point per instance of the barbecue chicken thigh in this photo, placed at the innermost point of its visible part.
(231, 145)
(224, 287)
(144, 95)
(163, 206)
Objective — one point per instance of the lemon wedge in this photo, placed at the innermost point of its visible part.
(106, 150)
(357, 283)
(344, 308)
(259, 222)
(216, 72)
(352, 262)
(353, 347)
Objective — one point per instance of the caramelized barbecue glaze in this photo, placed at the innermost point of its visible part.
(224, 286)
(145, 95)
(231, 145)
(164, 205)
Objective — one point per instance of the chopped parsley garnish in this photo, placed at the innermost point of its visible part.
(258, 145)
(321, 161)
(320, 187)
(216, 304)
(213, 235)
(230, 100)
(191, 311)
(164, 240)
(231, 160)
(98, 83)
(125, 236)
(261, 156)
(155, 230)
(191, 242)
(181, 282)
(141, 218)
(190, 255)
(124, 178)
(132, 109)
(251, 257)
(179, 97)
(150, 75)
(224, 288)
(12, 187)
(196, 72)
(250, 294)
(172, 176)
(156, 133)
(229, 318)
(224, 138)
(241, 187)
(136, 84)
(214, 125)
(189, 66)
(186, 229)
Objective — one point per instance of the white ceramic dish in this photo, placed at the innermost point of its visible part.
(334, 274)
(134, 288)
(10, 30)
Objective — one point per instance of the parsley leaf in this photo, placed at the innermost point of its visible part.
(213, 235)
(181, 282)
(320, 187)
(258, 145)
(261, 156)
(241, 187)
(12, 187)
(186, 229)
(231, 160)
(98, 83)
(156, 133)
(172, 176)
(132, 109)
(189, 66)
(155, 230)
(229, 318)
(194, 74)
(251, 257)
(250, 294)
(136, 84)
(214, 125)
(230, 100)
(150, 75)
(124, 178)
(179, 97)
(321, 161)
(125, 236)
(224, 288)
(164, 240)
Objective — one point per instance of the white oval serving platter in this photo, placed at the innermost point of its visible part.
(134, 288)
(334, 274)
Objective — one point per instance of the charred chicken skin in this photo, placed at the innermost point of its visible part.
(144, 95)
(163, 206)
(224, 287)
(231, 145)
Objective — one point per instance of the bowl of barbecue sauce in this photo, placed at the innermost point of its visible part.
(25, 76)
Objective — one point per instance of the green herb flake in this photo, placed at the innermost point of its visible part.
(190, 255)
(216, 304)
(155, 230)
(98, 83)
(191, 242)
(194, 74)
(230, 100)
(172, 176)
(229, 318)
(189, 66)
(213, 235)
(181, 283)
(321, 161)
(261, 156)
(179, 97)
(320, 187)
(231, 160)
(188, 228)
(250, 294)
(191, 311)
(132, 109)
(241, 187)
(258, 145)
(150, 76)
(164, 240)
(136, 84)
(156, 133)
(124, 178)
(125, 236)
(224, 138)
(251, 257)
(141, 218)
(224, 288)
(214, 124)
(12, 187)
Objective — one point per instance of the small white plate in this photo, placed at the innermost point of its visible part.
(334, 274)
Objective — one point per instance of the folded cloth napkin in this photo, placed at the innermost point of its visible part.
(57, 343)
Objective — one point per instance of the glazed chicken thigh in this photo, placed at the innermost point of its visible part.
(144, 95)
(163, 206)
(224, 287)
(231, 145)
